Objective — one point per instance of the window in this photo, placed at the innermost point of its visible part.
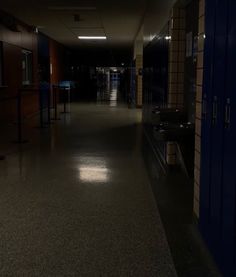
(27, 67)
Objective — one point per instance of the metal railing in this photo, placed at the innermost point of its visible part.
(51, 104)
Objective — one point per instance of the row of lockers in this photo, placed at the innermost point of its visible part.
(218, 151)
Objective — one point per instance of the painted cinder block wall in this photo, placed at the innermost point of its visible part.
(176, 84)
(139, 81)
(176, 58)
(200, 64)
(176, 68)
(138, 57)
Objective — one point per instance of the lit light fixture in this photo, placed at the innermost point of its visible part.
(92, 37)
(167, 37)
(72, 8)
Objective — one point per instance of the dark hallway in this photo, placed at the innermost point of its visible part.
(117, 138)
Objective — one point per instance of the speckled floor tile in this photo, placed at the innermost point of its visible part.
(78, 202)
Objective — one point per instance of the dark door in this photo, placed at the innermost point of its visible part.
(216, 122)
(206, 135)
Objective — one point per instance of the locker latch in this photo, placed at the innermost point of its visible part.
(204, 106)
(214, 110)
(227, 113)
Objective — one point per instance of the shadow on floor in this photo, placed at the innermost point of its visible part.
(173, 191)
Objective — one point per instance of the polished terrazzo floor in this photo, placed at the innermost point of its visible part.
(77, 201)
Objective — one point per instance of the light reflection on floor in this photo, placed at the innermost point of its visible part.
(110, 94)
(93, 174)
(92, 169)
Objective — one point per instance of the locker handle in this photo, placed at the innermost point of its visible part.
(227, 114)
(214, 110)
(204, 107)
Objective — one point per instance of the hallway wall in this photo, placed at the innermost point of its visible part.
(15, 37)
(56, 52)
(153, 19)
(201, 31)
(176, 72)
(13, 42)
(138, 58)
(175, 36)
(176, 68)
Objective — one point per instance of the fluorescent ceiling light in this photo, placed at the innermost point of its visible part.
(69, 8)
(92, 37)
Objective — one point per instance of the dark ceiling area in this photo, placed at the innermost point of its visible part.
(102, 57)
(65, 20)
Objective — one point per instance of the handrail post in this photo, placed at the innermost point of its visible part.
(19, 118)
(64, 89)
(49, 106)
(19, 114)
(41, 108)
(55, 90)
(65, 99)
(55, 103)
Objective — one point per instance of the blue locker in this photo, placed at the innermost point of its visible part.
(229, 175)
(217, 126)
(218, 177)
(210, 18)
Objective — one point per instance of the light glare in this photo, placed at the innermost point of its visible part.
(93, 174)
(92, 37)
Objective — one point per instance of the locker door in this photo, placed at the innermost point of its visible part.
(210, 10)
(213, 124)
(217, 127)
(229, 165)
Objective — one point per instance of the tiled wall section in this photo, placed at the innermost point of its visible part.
(201, 31)
(176, 68)
(139, 66)
(177, 58)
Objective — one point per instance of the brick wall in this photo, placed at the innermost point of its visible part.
(201, 32)
(176, 68)
(177, 58)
